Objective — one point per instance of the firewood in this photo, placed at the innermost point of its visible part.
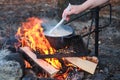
(85, 65)
(43, 64)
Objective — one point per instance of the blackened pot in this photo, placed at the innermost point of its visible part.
(57, 38)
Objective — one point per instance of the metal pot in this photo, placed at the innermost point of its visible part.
(57, 38)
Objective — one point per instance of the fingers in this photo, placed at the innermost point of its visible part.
(67, 18)
(66, 14)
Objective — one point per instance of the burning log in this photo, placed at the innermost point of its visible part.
(83, 64)
(43, 64)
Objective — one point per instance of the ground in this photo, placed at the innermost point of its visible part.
(109, 39)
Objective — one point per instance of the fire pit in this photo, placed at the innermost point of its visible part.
(36, 46)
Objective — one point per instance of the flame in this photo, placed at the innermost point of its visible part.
(27, 64)
(30, 34)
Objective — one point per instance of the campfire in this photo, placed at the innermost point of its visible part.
(33, 42)
(31, 35)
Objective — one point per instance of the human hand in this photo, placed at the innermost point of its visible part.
(74, 9)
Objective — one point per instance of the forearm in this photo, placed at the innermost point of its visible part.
(89, 4)
(76, 9)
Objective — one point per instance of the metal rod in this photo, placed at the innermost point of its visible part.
(110, 16)
(97, 9)
(88, 33)
(89, 11)
(90, 29)
(110, 12)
